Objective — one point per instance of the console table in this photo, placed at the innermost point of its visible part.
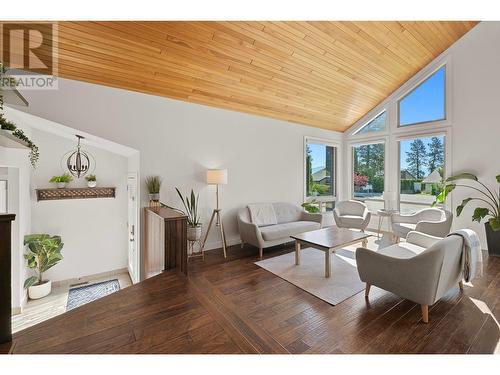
(5, 278)
(165, 241)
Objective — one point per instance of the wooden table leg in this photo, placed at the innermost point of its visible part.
(328, 266)
(297, 253)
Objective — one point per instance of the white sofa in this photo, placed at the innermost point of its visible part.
(291, 219)
(422, 269)
(351, 214)
(433, 221)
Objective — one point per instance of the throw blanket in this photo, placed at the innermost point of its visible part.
(262, 214)
(472, 257)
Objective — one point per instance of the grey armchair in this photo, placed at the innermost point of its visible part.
(433, 221)
(351, 214)
(422, 269)
(291, 220)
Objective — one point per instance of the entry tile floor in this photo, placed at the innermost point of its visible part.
(36, 311)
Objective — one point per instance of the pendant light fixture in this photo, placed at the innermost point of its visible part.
(78, 162)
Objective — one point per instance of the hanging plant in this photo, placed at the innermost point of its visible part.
(16, 132)
(19, 134)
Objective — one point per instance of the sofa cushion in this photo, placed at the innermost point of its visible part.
(279, 231)
(402, 250)
(351, 220)
(262, 214)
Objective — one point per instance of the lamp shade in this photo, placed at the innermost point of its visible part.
(217, 176)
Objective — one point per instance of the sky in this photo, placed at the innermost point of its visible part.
(318, 154)
(426, 102)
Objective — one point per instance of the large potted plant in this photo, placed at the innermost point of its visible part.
(491, 210)
(191, 207)
(44, 252)
(153, 184)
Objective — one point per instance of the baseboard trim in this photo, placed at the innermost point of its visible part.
(88, 278)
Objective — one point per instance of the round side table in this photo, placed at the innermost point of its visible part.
(383, 213)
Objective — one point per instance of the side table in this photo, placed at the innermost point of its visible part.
(383, 213)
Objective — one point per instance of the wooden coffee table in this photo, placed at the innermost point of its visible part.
(328, 240)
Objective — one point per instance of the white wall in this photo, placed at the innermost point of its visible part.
(472, 117)
(19, 203)
(94, 231)
(180, 140)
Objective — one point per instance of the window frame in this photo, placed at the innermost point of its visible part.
(446, 132)
(367, 134)
(336, 162)
(415, 87)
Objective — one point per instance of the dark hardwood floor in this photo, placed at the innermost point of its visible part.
(233, 306)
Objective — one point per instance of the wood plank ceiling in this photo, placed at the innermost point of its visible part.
(323, 74)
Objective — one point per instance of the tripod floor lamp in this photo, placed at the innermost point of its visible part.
(216, 177)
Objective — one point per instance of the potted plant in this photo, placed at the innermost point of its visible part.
(191, 206)
(91, 180)
(44, 252)
(153, 184)
(61, 181)
(311, 206)
(486, 196)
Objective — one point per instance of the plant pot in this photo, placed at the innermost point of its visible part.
(91, 184)
(493, 239)
(194, 233)
(41, 290)
(62, 185)
(154, 197)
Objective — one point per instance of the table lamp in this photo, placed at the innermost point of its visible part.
(216, 177)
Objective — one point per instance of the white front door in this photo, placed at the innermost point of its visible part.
(133, 253)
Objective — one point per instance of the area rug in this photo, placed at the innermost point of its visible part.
(310, 274)
(84, 294)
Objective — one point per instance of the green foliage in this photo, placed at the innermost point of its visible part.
(368, 160)
(416, 158)
(91, 177)
(153, 184)
(479, 214)
(19, 134)
(311, 206)
(191, 206)
(494, 223)
(66, 177)
(321, 189)
(436, 154)
(486, 196)
(44, 252)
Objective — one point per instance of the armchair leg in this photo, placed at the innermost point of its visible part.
(242, 244)
(367, 290)
(425, 313)
(461, 285)
(261, 250)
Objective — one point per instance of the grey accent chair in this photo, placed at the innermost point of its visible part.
(433, 221)
(351, 214)
(291, 220)
(421, 270)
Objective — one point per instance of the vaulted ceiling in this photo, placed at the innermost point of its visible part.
(323, 74)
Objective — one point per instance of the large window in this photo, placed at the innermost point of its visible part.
(426, 102)
(374, 125)
(320, 173)
(368, 174)
(421, 164)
